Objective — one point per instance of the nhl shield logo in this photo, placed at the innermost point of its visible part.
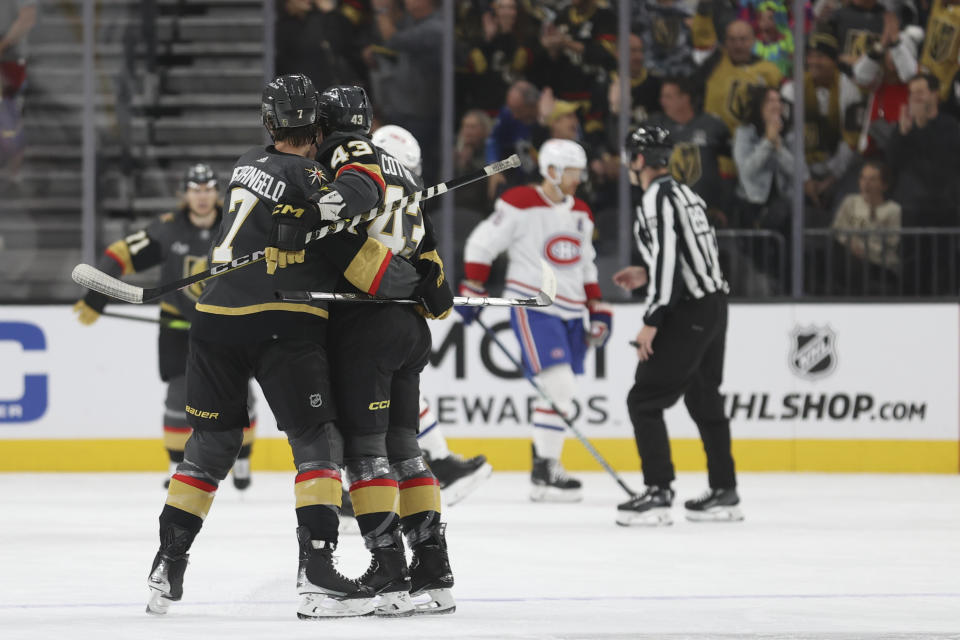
(315, 400)
(813, 352)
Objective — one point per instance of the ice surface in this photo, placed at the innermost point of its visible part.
(819, 556)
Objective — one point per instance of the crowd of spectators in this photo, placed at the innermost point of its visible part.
(881, 101)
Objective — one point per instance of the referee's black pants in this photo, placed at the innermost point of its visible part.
(687, 361)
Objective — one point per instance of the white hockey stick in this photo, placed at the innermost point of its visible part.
(544, 297)
(92, 278)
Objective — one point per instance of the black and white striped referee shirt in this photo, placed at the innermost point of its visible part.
(673, 234)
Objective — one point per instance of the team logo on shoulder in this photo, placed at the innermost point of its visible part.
(562, 250)
(813, 351)
(315, 400)
(316, 175)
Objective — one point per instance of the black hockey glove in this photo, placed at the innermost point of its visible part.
(434, 291)
(286, 243)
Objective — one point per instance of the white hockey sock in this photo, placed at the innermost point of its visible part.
(549, 428)
(431, 438)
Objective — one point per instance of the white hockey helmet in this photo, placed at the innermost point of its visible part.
(562, 154)
(401, 144)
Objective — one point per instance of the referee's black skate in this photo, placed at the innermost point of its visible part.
(459, 477)
(324, 591)
(551, 483)
(431, 578)
(389, 579)
(715, 505)
(651, 508)
(169, 565)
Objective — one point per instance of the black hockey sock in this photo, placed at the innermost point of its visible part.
(188, 501)
(419, 499)
(318, 493)
(375, 503)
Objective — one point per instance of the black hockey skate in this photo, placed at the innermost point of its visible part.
(169, 565)
(241, 473)
(651, 508)
(324, 591)
(388, 578)
(715, 505)
(551, 483)
(459, 477)
(431, 578)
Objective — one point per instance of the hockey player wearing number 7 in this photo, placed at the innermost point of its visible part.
(535, 223)
(681, 344)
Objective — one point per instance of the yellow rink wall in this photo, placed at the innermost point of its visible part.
(513, 454)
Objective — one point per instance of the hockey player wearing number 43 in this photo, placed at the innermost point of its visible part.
(458, 476)
(532, 223)
(178, 241)
(681, 344)
(378, 353)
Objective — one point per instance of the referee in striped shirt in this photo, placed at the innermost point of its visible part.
(681, 344)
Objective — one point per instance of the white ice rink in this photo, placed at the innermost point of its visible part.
(819, 556)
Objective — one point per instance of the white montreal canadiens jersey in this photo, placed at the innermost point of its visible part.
(526, 225)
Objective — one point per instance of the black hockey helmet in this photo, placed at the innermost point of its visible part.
(651, 141)
(200, 174)
(289, 101)
(345, 108)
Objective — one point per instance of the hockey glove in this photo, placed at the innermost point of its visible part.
(471, 290)
(286, 243)
(601, 323)
(433, 291)
(330, 204)
(86, 314)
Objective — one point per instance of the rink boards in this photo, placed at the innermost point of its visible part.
(867, 387)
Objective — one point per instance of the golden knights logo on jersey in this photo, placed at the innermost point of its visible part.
(857, 42)
(940, 39)
(738, 100)
(192, 265)
(685, 165)
(666, 31)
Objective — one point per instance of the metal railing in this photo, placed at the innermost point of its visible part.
(911, 262)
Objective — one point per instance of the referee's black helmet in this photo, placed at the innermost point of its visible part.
(289, 101)
(652, 142)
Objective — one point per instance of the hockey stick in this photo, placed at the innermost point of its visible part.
(553, 406)
(544, 297)
(92, 278)
(170, 323)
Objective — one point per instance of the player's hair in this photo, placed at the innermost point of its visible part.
(295, 136)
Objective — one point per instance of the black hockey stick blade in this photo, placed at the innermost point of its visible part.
(169, 323)
(92, 278)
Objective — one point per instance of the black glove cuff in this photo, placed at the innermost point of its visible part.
(288, 235)
(95, 300)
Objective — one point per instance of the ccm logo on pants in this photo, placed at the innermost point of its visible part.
(382, 404)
